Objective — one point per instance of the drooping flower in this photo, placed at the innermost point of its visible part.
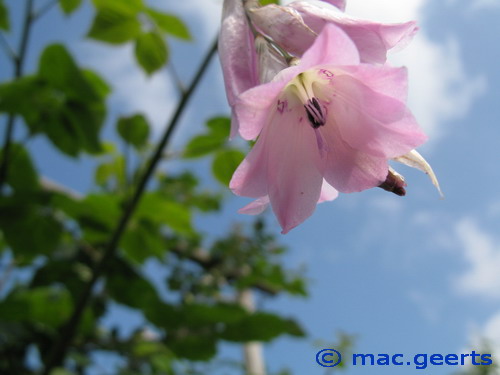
(250, 33)
(329, 121)
(237, 50)
(295, 26)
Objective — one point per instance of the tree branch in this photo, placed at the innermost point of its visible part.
(18, 71)
(67, 333)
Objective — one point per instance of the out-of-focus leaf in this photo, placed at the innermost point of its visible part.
(202, 145)
(212, 141)
(29, 228)
(4, 17)
(151, 51)
(128, 287)
(195, 346)
(158, 209)
(261, 327)
(41, 306)
(100, 87)
(18, 97)
(22, 175)
(266, 2)
(219, 126)
(69, 6)
(97, 214)
(223, 313)
(170, 24)
(116, 22)
(61, 371)
(111, 174)
(134, 130)
(62, 102)
(142, 241)
(58, 68)
(225, 163)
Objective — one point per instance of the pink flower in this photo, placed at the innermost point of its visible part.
(294, 28)
(237, 50)
(327, 122)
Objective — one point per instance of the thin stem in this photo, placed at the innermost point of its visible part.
(44, 9)
(8, 49)
(173, 72)
(61, 345)
(18, 71)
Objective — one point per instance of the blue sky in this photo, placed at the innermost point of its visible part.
(405, 275)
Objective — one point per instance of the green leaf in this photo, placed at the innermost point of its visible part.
(203, 145)
(22, 174)
(100, 87)
(4, 17)
(125, 285)
(170, 24)
(261, 327)
(30, 229)
(142, 241)
(69, 6)
(158, 209)
(213, 141)
(58, 68)
(111, 174)
(63, 102)
(61, 371)
(134, 130)
(116, 22)
(43, 306)
(219, 126)
(97, 214)
(225, 163)
(266, 2)
(151, 51)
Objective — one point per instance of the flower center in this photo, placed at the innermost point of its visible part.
(301, 87)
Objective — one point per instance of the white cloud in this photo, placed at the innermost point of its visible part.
(482, 253)
(485, 336)
(154, 96)
(439, 88)
(132, 91)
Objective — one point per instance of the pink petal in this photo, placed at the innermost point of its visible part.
(385, 80)
(347, 169)
(250, 178)
(285, 26)
(372, 39)
(252, 108)
(332, 46)
(328, 192)
(295, 168)
(372, 122)
(256, 207)
(236, 50)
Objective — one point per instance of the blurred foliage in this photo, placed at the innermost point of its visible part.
(55, 237)
(483, 347)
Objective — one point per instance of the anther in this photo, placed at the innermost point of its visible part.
(315, 114)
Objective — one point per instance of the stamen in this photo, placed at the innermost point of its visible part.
(315, 114)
